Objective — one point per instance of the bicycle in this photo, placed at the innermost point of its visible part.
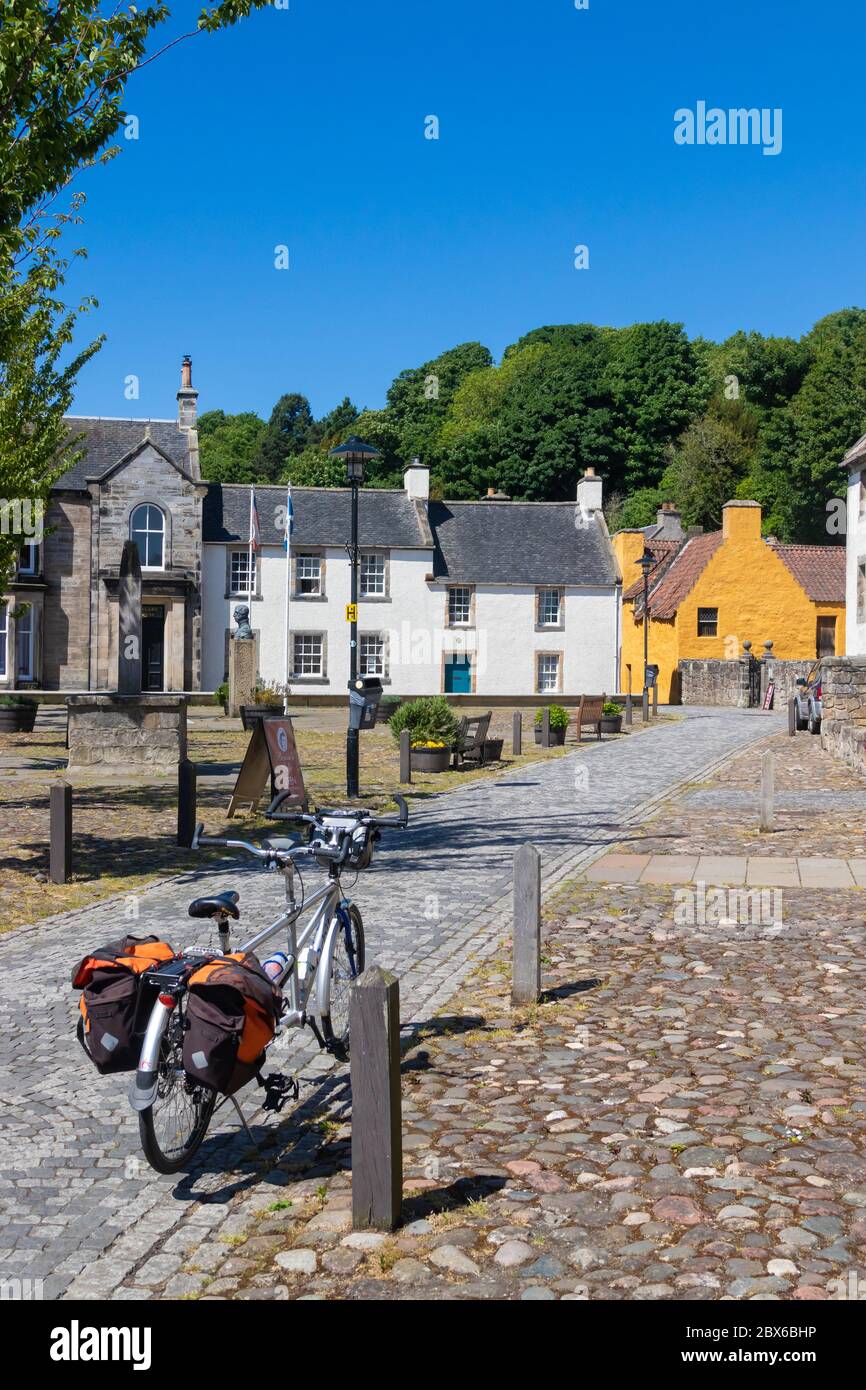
(174, 1110)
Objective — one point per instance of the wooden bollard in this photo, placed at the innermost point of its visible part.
(186, 802)
(628, 710)
(526, 930)
(377, 1132)
(517, 733)
(768, 779)
(405, 756)
(644, 713)
(655, 701)
(792, 717)
(545, 728)
(60, 816)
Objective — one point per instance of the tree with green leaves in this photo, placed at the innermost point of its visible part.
(228, 445)
(287, 434)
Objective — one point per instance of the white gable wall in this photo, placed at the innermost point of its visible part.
(855, 556)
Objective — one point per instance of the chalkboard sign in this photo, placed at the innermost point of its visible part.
(271, 755)
(770, 695)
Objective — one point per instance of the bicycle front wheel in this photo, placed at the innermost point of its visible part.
(173, 1127)
(347, 963)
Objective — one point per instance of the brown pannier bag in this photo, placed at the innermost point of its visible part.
(232, 1011)
(112, 1020)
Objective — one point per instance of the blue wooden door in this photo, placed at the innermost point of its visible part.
(458, 675)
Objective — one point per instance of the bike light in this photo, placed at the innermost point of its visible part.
(168, 1000)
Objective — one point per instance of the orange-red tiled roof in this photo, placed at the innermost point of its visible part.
(664, 552)
(683, 573)
(818, 569)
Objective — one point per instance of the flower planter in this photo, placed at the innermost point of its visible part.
(385, 710)
(250, 713)
(18, 719)
(493, 750)
(556, 735)
(611, 723)
(430, 759)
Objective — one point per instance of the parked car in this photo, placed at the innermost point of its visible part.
(808, 700)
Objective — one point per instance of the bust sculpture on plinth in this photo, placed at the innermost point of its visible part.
(243, 631)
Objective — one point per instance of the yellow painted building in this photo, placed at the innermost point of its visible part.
(710, 592)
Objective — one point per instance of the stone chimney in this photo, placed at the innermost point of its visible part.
(493, 495)
(416, 481)
(669, 526)
(589, 492)
(741, 521)
(187, 397)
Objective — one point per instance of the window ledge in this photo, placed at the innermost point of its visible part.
(308, 680)
(374, 598)
(308, 598)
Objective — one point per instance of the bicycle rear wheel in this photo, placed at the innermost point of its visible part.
(347, 963)
(173, 1127)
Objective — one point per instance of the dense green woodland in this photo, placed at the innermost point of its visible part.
(660, 416)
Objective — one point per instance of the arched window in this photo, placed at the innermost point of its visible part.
(147, 529)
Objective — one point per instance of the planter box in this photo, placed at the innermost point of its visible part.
(611, 723)
(250, 713)
(556, 735)
(430, 759)
(18, 719)
(384, 712)
(493, 750)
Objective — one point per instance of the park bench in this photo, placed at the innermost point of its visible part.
(587, 715)
(468, 746)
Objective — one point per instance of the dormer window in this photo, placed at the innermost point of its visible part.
(147, 529)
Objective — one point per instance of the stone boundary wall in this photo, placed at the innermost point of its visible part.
(715, 682)
(843, 726)
(785, 674)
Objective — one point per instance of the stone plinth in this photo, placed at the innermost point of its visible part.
(120, 732)
(242, 673)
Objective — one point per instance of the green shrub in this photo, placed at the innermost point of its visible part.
(17, 701)
(610, 707)
(429, 720)
(558, 717)
(221, 694)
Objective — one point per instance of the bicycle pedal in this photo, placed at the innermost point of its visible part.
(278, 1090)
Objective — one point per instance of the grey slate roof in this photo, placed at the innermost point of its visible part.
(106, 442)
(520, 543)
(322, 516)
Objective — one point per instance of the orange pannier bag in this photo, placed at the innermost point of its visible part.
(112, 1020)
(232, 1011)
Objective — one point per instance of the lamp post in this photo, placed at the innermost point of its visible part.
(646, 562)
(354, 451)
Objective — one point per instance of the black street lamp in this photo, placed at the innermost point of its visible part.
(646, 562)
(354, 451)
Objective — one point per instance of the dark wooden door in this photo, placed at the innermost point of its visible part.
(826, 637)
(152, 646)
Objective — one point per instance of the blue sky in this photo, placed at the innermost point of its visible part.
(305, 127)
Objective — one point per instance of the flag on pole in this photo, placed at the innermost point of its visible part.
(290, 518)
(255, 533)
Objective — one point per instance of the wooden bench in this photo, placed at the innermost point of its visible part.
(468, 746)
(587, 715)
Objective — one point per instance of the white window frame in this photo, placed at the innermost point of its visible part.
(376, 560)
(303, 638)
(243, 556)
(544, 596)
(32, 567)
(542, 680)
(302, 560)
(148, 531)
(4, 640)
(453, 590)
(380, 663)
(25, 627)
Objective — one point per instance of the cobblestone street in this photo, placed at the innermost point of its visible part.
(83, 1211)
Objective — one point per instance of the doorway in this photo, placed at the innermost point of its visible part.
(458, 675)
(152, 646)
(826, 637)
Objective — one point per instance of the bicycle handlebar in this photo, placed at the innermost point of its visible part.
(338, 855)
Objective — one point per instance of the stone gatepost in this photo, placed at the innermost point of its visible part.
(242, 674)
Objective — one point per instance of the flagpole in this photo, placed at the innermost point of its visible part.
(250, 559)
(288, 585)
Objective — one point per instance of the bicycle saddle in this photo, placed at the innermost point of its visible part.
(209, 907)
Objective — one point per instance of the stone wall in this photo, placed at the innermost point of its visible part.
(843, 726)
(784, 674)
(120, 733)
(715, 682)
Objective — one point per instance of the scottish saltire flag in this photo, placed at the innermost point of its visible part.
(255, 533)
(290, 517)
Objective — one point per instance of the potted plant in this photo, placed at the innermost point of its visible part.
(268, 699)
(17, 714)
(611, 717)
(388, 706)
(432, 730)
(221, 696)
(493, 750)
(558, 723)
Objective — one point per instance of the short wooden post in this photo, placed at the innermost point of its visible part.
(792, 717)
(377, 1136)
(405, 756)
(644, 713)
(60, 815)
(186, 802)
(628, 710)
(655, 701)
(545, 728)
(767, 791)
(526, 931)
(517, 733)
